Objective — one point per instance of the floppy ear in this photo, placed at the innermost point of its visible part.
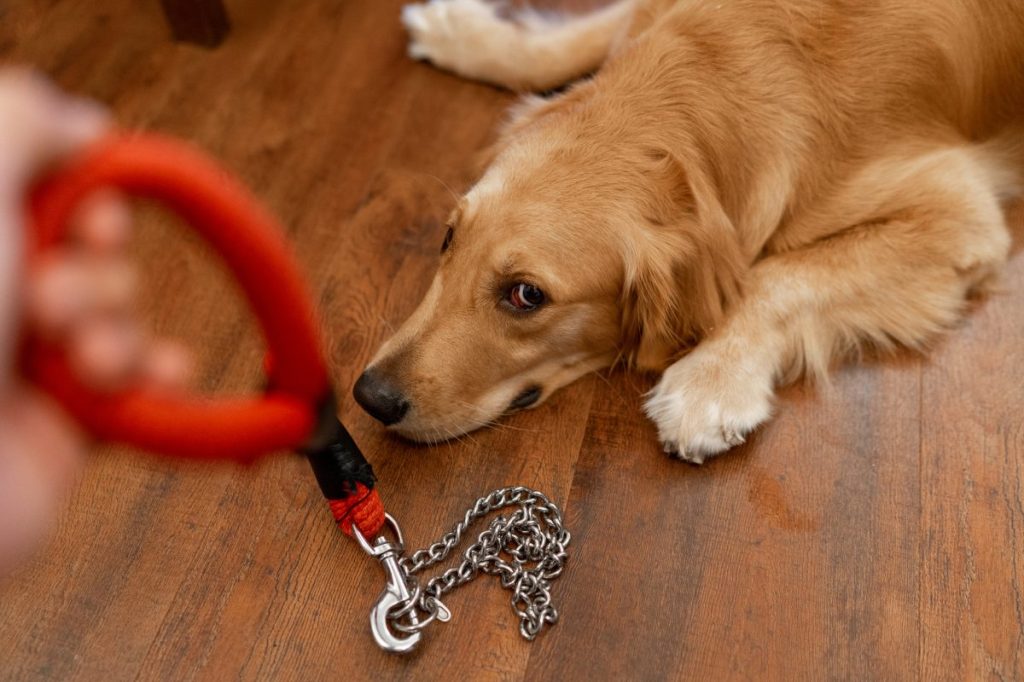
(684, 266)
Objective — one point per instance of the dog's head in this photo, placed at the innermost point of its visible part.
(569, 254)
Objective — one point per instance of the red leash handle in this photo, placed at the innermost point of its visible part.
(252, 245)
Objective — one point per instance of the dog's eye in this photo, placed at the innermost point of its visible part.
(525, 297)
(447, 239)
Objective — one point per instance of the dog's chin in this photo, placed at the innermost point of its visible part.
(433, 434)
(419, 430)
(431, 429)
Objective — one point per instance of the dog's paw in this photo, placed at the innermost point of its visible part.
(453, 34)
(705, 405)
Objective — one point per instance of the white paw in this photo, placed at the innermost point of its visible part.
(457, 35)
(706, 404)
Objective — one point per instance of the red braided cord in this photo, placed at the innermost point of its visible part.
(362, 508)
(253, 246)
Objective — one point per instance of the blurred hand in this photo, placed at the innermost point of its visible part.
(80, 296)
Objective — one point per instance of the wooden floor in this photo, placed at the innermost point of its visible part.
(874, 530)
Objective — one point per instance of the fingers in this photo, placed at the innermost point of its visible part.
(90, 276)
(38, 125)
(82, 296)
(109, 354)
(70, 288)
(167, 366)
(85, 303)
(102, 224)
(106, 352)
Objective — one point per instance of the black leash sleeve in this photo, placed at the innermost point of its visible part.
(337, 462)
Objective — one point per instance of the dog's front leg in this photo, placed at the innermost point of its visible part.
(709, 400)
(929, 231)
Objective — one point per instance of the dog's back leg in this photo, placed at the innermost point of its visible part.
(916, 236)
(527, 52)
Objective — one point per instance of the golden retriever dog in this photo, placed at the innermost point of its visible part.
(743, 191)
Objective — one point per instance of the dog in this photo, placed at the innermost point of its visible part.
(734, 193)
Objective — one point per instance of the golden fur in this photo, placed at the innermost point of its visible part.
(743, 190)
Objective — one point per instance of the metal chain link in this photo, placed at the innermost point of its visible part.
(532, 538)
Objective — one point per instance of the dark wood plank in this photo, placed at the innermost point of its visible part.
(873, 531)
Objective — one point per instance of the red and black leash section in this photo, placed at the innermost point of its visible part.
(251, 243)
(345, 478)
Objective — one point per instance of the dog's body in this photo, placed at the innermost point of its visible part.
(768, 182)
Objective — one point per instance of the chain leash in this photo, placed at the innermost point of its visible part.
(525, 549)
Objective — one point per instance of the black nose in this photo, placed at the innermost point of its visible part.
(382, 400)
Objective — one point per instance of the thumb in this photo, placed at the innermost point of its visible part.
(39, 124)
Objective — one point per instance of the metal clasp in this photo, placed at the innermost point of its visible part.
(395, 594)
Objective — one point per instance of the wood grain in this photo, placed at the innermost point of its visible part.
(874, 530)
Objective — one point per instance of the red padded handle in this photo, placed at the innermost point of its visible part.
(253, 247)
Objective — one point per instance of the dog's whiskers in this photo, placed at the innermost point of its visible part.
(493, 423)
(498, 426)
(387, 325)
(445, 185)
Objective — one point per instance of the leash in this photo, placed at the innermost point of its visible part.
(525, 546)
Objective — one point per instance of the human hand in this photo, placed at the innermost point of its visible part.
(79, 295)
